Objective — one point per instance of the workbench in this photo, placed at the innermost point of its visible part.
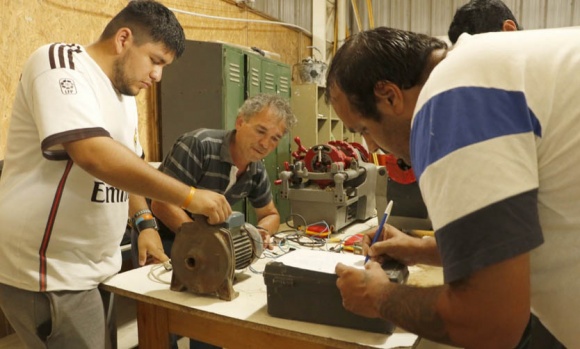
(243, 322)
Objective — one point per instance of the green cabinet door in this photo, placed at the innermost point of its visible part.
(253, 75)
(233, 95)
(284, 80)
(264, 75)
(234, 84)
(283, 84)
(269, 77)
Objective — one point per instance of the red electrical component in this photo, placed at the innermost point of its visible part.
(396, 173)
(354, 150)
(300, 152)
(319, 158)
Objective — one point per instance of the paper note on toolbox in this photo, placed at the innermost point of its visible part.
(320, 261)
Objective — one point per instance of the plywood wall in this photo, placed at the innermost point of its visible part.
(28, 24)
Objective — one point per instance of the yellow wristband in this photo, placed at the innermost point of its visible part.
(188, 198)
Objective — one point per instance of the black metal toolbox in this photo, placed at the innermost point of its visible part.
(312, 296)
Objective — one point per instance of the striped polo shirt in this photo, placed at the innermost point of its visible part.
(202, 159)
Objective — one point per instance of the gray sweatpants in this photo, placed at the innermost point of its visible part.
(55, 320)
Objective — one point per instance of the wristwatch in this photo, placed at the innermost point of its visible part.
(146, 224)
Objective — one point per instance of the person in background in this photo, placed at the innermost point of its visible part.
(492, 142)
(482, 16)
(228, 162)
(73, 172)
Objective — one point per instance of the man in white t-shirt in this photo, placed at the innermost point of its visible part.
(73, 171)
(492, 135)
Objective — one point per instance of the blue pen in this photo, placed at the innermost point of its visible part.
(380, 227)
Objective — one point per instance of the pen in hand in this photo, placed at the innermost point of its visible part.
(380, 227)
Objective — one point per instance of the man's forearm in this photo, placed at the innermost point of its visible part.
(430, 253)
(172, 216)
(136, 203)
(467, 314)
(271, 223)
(414, 309)
(115, 164)
(268, 218)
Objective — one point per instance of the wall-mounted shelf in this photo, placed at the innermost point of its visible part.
(317, 122)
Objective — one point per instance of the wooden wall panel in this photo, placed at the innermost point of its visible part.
(421, 16)
(458, 3)
(533, 15)
(516, 7)
(382, 12)
(575, 13)
(400, 16)
(28, 24)
(442, 12)
(559, 13)
(304, 13)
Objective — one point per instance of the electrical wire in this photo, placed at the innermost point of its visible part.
(155, 275)
(250, 268)
(296, 237)
(323, 234)
(297, 216)
(262, 21)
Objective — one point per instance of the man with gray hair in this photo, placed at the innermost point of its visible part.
(229, 162)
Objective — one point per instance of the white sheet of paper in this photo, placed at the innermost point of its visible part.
(401, 340)
(320, 261)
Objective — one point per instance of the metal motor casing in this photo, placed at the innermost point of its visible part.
(205, 257)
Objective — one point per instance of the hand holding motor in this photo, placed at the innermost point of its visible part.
(362, 291)
(210, 204)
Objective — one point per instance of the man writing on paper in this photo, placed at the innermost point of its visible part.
(475, 17)
(493, 143)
